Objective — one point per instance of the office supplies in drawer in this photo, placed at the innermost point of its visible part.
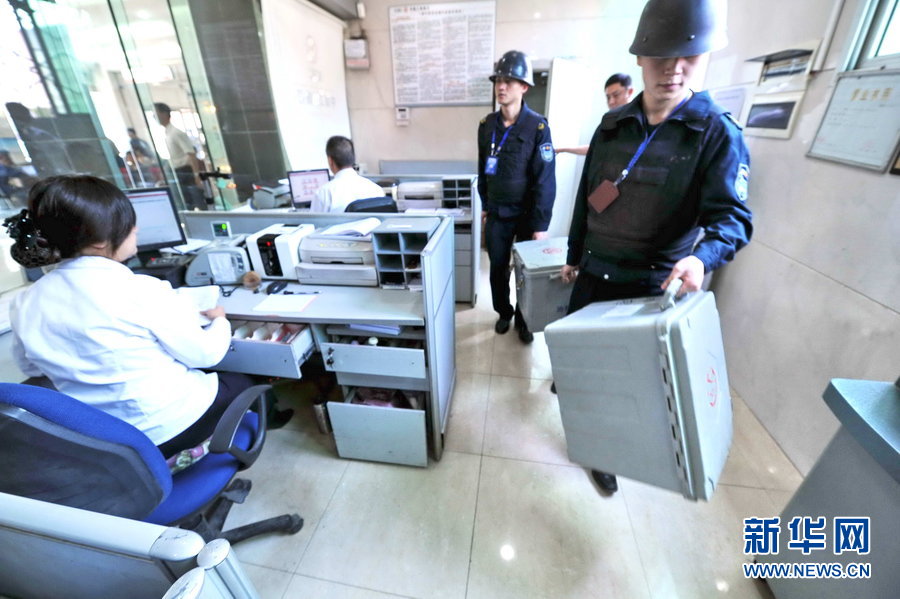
(380, 425)
(268, 348)
(398, 358)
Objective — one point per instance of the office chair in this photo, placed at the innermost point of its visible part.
(380, 204)
(60, 450)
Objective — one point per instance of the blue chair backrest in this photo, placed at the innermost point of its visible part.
(57, 449)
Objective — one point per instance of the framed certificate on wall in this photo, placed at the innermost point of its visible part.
(861, 126)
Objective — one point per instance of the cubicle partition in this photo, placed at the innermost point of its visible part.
(422, 318)
(456, 196)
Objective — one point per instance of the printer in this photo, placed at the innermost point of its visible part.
(328, 250)
(270, 194)
(339, 255)
(275, 251)
(420, 194)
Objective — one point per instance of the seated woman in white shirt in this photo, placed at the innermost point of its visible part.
(347, 185)
(124, 343)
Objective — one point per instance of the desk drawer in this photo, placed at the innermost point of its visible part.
(380, 434)
(374, 360)
(463, 258)
(463, 242)
(269, 358)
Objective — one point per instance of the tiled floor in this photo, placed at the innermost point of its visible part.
(503, 513)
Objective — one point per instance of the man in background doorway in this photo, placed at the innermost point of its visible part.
(183, 157)
(618, 91)
(347, 185)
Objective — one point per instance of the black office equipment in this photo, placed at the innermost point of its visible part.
(380, 204)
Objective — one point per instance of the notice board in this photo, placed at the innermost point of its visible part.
(442, 54)
(861, 126)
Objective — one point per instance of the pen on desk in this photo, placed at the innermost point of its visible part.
(289, 292)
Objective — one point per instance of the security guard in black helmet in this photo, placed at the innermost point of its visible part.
(516, 179)
(662, 171)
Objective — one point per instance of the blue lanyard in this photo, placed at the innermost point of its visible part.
(502, 141)
(644, 144)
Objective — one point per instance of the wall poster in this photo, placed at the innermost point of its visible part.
(442, 54)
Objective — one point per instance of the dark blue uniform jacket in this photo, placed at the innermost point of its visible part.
(525, 183)
(691, 181)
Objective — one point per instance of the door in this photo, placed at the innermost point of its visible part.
(570, 95)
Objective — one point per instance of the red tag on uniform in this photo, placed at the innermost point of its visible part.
(605, 194)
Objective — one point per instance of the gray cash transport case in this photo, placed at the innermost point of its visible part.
(540, 292)
(643, 391)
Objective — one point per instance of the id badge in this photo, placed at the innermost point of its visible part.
(490, 167)
(605, 194)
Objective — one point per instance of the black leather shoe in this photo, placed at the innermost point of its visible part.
(502, 326)
(525, 335)
(606, 481)
(278, 419)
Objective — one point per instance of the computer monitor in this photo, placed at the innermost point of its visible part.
(304, 185)
(157, 219)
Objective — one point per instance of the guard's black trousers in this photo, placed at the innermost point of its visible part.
(499, 236)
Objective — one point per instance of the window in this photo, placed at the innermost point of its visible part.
(879, 36)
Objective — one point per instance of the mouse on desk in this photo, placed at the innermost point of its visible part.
(275, 287)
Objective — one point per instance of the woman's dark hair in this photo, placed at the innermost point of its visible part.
(71, 212)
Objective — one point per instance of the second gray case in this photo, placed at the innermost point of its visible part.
(540, 292)
(643, 390)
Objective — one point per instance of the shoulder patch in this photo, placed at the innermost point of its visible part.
(547, 152)
(732, 119)
(742, 181)
(541, 126)
(483, 121)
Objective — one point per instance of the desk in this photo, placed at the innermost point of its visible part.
(426, 318)
(858, 475)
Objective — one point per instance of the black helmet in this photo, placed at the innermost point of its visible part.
(671, 28)
(515, 65)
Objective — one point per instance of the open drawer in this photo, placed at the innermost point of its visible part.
(255, 354)
(380, 434)
(379, 360)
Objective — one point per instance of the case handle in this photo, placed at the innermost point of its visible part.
(668, 298)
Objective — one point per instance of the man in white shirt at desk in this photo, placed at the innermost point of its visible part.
(347, 185)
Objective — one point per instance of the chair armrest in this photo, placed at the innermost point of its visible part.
(222, 440)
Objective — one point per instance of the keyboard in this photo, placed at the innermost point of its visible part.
(168, 261)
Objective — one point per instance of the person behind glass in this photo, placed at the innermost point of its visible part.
(618, 90)
(516, 180)
(183, 156)
(14, 181)
(49, 154)
(347, 185)
(124, 343)
(662, 171)
(139, 147)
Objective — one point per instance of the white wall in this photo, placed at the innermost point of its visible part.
(598, 31)
(816, 295)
